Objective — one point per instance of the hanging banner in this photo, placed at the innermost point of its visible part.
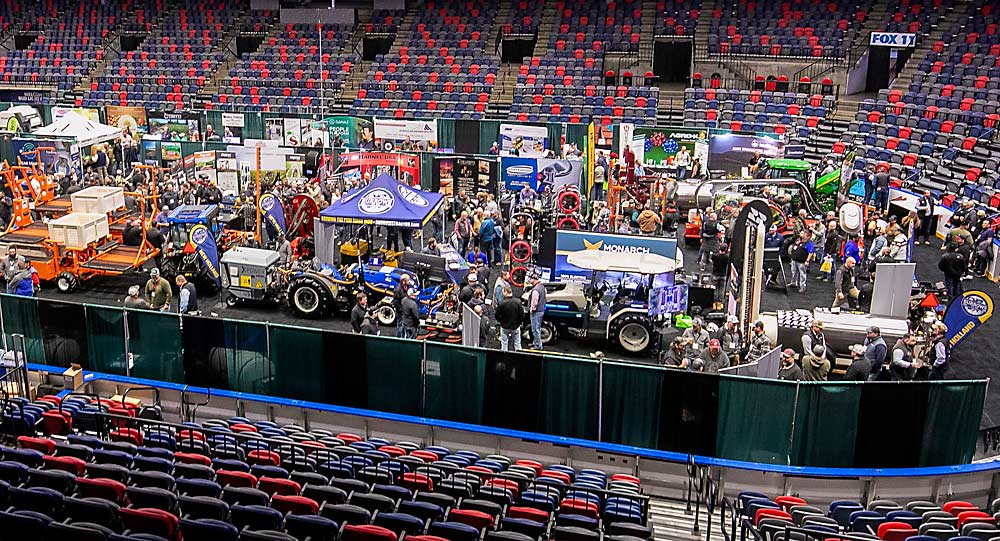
(316, 134)
(35, 96)
(591, 155)
(179, 127)
(524, 141)
(403, 167)
(747, 260)
(568, 242)
(294, 165)
(657, 147)
(350, 131)
(204, 167)
(540, 173)
(892, 39)
(731, 152)
(203, 244)
(227, 172)
(63, 158)
(474, 175)
(966, 314)
(406, 135)
(626, 130)
(170, 151)
(273, 213)
(132, 119)
(86, 112)
(232, 128)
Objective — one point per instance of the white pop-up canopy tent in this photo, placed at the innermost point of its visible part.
(85, 131)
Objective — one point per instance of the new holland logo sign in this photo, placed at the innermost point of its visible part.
(411, 196)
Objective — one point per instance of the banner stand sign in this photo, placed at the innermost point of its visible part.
(892, 39)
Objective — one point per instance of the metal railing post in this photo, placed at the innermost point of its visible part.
(791, 434)
(600, 399)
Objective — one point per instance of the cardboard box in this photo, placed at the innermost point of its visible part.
(117, 399)
(73, 377)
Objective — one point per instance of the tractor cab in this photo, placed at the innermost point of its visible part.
(185, 217)
(787, 168)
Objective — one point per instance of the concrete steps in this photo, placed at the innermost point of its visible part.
(671, 521)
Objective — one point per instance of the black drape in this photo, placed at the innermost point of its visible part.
(466, 136)
(512, 388)
(64, 333)
(689, 412)
(891, 422)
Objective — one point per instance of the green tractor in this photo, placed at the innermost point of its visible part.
(824, 188)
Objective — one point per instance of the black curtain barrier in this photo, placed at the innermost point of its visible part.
(205, 357)
(466, 136)
(64, 333)
(891, 420)
(689, 412)
(346, 372)
(511, 390)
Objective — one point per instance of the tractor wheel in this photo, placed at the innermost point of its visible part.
(520, 251)
(568, 223)
(632, 333)
(518, 276)
(549, 333)
(569, 202)
(308, 298)
(67, 282)
(230, 300)
(385, 313)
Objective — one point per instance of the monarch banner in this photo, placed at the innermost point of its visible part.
(203, 244)
(274, 214)
(966, 314)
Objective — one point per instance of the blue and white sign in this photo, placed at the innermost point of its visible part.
(574, 241)
(892, 39)
(966, 314)
(516, 173)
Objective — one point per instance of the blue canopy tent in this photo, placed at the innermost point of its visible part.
(386, 202)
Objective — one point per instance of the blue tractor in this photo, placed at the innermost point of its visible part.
(179, 256)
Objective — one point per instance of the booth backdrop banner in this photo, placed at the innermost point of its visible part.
(66, 157)
(131, 118)
(660, 145)
(354, 132)
(204, 167)
(86, 112)
(170, 151)
(469, 173)
(228, 172)
(526, 141)
(175, 126)
(232, 128)
(316, 134)
(518, 172)
(568, 242)
(730, 152)
(405, 167)
(392, 134)
(966, 314)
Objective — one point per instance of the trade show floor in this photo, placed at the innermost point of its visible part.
(976, 357)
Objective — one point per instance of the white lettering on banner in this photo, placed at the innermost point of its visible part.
(618, 248)
(892, 39)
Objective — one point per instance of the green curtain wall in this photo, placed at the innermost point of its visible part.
(247, 357)
(20, 316)
(106, 340)
(951, 428)
(426, 170)
(454, 382)
(293, 355)
(489, 132)
(632, 417)
(394, 378)
(446, 132)
(755, 419)
(568, 406)
(154, 344)
(555, 137)
(826, 425)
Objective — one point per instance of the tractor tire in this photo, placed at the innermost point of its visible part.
(309, 298)
(550, 333)
(520, 251)
(67, 282)
(518, 275)
(568, 223)
(632, 334)
(230, 300)
(569, 202)
(385, 313)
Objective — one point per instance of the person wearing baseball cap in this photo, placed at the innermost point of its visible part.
(876, 351)
(760, 344)
(789, 371)
(410, 314)
(713, 357)
(158, 293)
(536, 309)
(860, 368)
(730, 339)
(135, 300)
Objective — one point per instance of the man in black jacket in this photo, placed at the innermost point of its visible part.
(398, 295)
(510, 315)
(953, 265)
(358, 312)
(410, 316)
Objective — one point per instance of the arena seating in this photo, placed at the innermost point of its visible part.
(83, 465)
(939, 124)
(799, 28)
(441, 69)
(913, 16)
(677, 17)
(881, 519)
(174, 61)
(69, 40)
(524, 18)
(569, 82)
(792, 113)
(288, 72)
